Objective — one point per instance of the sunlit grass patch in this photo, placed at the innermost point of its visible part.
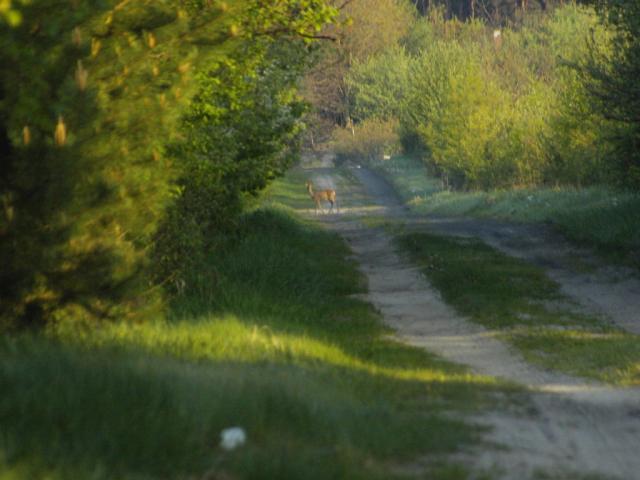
(517, 298)
(283, 293)
(610, 356)
(266, 335)
(289, 191)
(379, 221)
(114, 415)
(484, 284)
(230, 340)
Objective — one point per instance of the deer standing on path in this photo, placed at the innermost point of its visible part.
(328, 195)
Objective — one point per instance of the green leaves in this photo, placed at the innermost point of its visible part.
(612, 81)
(241, 132)
(9, 14)
(116, 79)
(486, 113)
(297, 18)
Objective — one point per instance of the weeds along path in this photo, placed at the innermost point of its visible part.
(575, 427)
(610, 292)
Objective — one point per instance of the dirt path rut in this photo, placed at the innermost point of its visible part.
(575, 428)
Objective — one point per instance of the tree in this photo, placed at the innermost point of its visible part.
(242, 130)
(612, 80)
(91, 94)
(372, 26)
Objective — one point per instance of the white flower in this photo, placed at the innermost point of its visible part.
(233, 437)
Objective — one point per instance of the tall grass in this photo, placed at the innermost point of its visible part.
(103, 414)
(598, 216)
(265, 336)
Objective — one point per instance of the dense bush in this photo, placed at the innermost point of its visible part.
(493, 108)
(92, 99)
(235, 141)
(612, 81)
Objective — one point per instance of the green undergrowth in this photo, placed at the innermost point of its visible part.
(520, 301)
(290, 192)
(266, 336)
(601, 217)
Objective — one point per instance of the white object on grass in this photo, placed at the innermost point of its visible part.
(233, 437)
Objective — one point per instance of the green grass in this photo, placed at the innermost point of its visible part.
(519, 300)
(608, 355)
(266, 336)
(409, 177)
(601, 217)
(290, 192)
(105, 414)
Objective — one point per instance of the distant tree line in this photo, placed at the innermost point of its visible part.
(540, 94)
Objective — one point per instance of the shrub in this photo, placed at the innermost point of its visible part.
(489, 112)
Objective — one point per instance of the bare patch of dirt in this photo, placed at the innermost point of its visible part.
(610, 292)
(576, 426)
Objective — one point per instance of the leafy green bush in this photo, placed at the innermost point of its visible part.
(492, 108)
(235, 141)
(612, 82)
(92, 100)
(379, 84)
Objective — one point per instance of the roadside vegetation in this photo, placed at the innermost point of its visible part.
(601, 217)
(131, 133)
(149, 296)
(266, 336)
(500, 114)
(489, 104)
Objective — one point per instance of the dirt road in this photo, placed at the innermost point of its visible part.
(576, 427)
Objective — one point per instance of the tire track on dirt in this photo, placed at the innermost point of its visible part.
(575, 425)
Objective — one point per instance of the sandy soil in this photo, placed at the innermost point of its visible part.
(575, 427)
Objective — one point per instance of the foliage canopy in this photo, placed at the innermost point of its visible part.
(92, 94)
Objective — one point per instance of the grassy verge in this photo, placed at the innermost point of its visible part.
(266, 337)
(600, 217)
(291, 192)
(518, 299)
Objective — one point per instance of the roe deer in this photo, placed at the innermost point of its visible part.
(328, 195)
